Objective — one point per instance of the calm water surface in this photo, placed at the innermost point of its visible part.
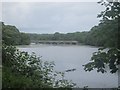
(74, 56)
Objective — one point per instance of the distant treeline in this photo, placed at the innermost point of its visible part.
(12, 36)
(101, 35)
(105, 34)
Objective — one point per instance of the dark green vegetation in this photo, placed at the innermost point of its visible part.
(12, 36)
(97, 36)
(78, 36)
(109, 55)
(101, 35)
(21, 70)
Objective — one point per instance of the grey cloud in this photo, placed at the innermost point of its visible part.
(51, 17)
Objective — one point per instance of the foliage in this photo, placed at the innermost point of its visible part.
(110, 57)
(78, 36)
(105, 34)
(102, 58)
(25, 40)
(12, 36)
(22, 70)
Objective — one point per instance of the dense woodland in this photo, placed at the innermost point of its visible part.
(104, 34)
(98, 36)
(12, 36)
(101, 35)
(28, 71)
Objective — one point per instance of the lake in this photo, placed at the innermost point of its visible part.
(74, 56)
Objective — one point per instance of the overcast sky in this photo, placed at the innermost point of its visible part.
(50, 17)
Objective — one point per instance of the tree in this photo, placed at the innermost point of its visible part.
(109, 55)
(22, 70)
(12, 36)
(25, 39)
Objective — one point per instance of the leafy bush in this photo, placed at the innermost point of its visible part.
(104, 58)
(22, 70)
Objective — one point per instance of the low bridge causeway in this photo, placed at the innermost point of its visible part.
(55, 42)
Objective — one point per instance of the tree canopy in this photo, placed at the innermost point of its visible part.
(12, 36)
(110, 54)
